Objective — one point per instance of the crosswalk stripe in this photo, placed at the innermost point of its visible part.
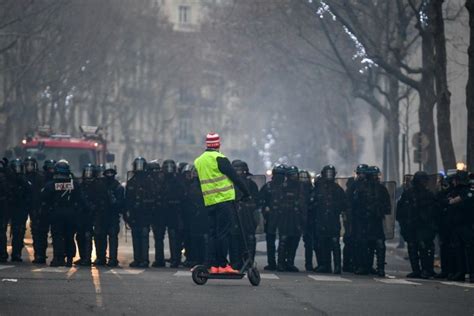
(396, 281)
(468, 285)
(6, 267)
(125, 271)
(327, 278)
(269, 276)
(53, 269)
(183, 274)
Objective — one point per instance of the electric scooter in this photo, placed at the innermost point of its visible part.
(201, 274)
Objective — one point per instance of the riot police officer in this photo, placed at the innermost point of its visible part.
(244, 219)
(36, 180)
(292, 220)
(173, 202)
(3, 210)
(63, 200)
(462, 237)
(416, 215)
(139, 204)
(309, 244)
(328, 203)
(270, 197)
(19, 196)
(197, 217)
(349, 248)
(158, 222)
(370, 204)
(85, 222)
(111, 220)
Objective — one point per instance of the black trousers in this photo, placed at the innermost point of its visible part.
(220, 222)
(62, 230)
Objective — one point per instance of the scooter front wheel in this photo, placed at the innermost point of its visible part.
(200, 274)
(254, 276)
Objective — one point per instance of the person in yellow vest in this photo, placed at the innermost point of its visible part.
(217, 179)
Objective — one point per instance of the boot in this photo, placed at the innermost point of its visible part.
(271, 251)
(145, 247)
(292, 248)
(175, 250)
(159, 235)
(414, 260)
(336, 250)
(380, 253)
(324, 256)
(308, 251)
(282, 253)
(427, 260)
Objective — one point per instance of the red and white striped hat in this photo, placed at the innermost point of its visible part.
(213, 140)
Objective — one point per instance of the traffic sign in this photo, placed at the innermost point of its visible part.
(420, 140)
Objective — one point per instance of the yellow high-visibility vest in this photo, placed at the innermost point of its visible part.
(216, 187)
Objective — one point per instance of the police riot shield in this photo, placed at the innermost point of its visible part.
(389, 220)
(259, 179)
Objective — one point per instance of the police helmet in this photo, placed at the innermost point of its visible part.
(48, 165)
(169, 166)
(16, 165)
(328, 172)
(153, 166)
(62, 167)
(30, 164)
(88, 172)
(139, 164)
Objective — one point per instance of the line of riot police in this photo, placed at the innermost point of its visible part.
(443, 207)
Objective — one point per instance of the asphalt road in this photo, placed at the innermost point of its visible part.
(27, 289)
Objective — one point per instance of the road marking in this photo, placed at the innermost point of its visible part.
(71, 272)
(98, 291)
(125, 271)
(468, 285)
(269, 276)
(6, 267)
(183, 274)
(396, 281)
(53, 269)
(327, 278)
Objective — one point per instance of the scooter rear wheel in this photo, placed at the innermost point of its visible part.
(254, 276)
(200, 275)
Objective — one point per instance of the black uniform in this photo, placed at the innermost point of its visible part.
(244, 221)
(291, 224)
(38, 220)
(3, 213)
(370, 203)
(196, 214)
(107, 220)
(444, 226)
(158, 218)
(271, 195)
(85, 222)
(173, 198)
(308, 235)
(139, 202)
(416, 215)
(18, 199)
(348, 239)
(328, 203)
(63, 199)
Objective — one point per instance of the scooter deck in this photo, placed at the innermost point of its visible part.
(226, 276)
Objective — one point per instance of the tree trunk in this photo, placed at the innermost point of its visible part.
(470, 90)
(426, 92)
(443, 95)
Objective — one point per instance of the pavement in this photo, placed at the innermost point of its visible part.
(28, 289)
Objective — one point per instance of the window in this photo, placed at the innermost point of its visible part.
(184, 14)
(183, 129)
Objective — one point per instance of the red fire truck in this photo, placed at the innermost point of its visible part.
(91, 147)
